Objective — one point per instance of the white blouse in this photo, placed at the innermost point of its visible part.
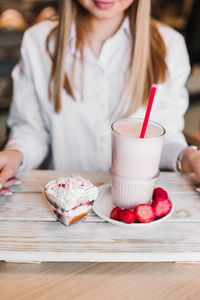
(79, 138)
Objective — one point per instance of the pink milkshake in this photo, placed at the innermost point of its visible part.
(135, 161)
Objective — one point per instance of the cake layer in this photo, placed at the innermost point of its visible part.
(73, 215)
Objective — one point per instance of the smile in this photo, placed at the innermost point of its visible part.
(104, 4)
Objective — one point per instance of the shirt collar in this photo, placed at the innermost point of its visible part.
(125, 27)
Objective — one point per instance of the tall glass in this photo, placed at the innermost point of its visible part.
(135, 161)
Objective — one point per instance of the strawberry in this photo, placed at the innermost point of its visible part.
(144, 213)
(161, 207)
(127, 216)
(115, 213)
(159, 192)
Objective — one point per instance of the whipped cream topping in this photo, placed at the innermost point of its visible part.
(70, 192)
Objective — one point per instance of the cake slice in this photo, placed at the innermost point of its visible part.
(70, 198)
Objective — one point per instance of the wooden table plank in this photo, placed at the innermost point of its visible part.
(52, 241)
(35, 179)
(173, 182)
(28, 231)
(177, 183)
(25, 207)
(34, 207)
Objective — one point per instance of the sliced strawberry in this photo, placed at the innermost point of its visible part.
(127, 216)
(159, 192)
(115, 213)
(161, 206)
(144, 213)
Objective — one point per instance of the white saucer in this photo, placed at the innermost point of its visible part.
(103, 206)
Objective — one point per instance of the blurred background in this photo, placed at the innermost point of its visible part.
(17, 16)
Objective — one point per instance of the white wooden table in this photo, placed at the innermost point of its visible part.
(30, 233)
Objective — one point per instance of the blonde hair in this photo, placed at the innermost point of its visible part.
(147, 65)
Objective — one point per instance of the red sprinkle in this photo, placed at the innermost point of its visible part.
(61, 185)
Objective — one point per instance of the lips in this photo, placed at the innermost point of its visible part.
(104, 4)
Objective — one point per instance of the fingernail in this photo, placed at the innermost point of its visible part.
(18, 182)
(1, 186)
(8, 194)
(198, 189)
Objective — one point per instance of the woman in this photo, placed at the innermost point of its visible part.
(78, 73)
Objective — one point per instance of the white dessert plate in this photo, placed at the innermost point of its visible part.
(103, 206)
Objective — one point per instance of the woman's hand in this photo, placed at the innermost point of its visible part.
(10, 161)
(191, 162)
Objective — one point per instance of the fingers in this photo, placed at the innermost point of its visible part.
(5, 192)
(196, 165)
(6, 173)
(191, 162)
(12, 181)
(9, 164)
(197, 172)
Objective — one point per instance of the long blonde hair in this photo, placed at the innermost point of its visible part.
(147, 65)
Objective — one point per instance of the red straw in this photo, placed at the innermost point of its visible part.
(148, 111)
